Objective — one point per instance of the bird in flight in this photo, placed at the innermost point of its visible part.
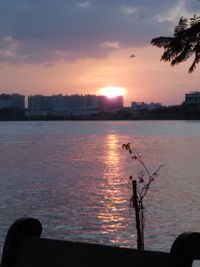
(132, 56)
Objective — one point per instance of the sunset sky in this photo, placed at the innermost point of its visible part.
(78, 46)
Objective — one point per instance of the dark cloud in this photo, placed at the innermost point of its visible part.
(48, 30)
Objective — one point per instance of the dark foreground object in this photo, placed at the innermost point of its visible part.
(25, 248)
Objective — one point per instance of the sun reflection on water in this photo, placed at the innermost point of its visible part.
(112, 191)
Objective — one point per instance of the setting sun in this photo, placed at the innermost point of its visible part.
(112, 91)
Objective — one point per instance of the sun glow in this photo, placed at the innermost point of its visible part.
(112, 91)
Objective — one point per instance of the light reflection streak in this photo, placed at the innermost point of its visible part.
(114, 202)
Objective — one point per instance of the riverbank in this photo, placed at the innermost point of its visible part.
(181, 112)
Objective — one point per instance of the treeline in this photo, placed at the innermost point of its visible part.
(179, 112)
(11, 114)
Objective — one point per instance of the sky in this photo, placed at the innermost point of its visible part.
(78, 46)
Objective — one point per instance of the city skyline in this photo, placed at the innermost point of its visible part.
(75, 94)
(68, 47)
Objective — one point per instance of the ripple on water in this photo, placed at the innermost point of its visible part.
(74, 176)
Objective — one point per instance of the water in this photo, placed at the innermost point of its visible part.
(73, 177)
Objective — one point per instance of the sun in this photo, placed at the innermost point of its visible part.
(112, 91)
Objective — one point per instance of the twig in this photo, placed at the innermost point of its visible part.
(144, 180)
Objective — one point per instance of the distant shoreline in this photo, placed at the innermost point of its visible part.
(103, 119)
(181, 112)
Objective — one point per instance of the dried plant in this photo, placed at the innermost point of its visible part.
(140, 186)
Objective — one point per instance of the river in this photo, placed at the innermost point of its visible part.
(73, 177)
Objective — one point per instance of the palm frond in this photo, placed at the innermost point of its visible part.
(182, 26)
(184, 43)
(183, 56)
(196, 60)
(169, 55)
(161, 41)
(194, 20)
(193, 32)
(173, 49)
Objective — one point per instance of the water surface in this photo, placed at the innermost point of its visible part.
(73, 177)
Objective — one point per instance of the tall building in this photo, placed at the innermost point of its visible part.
(58, 102)
(40, 103)
(73, 104)
(12, 101)
(110, 104)
(90, 102)
(74, 101)
(192, 98)
(5, 101)
(18, 101)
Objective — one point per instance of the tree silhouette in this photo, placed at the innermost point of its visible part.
(140, 187)
(184, 43)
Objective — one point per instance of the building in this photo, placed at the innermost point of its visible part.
(110, 104)
(192, 98)
(58, 102)
(18, 101)
(90, 102)
(72, 104)
(74, 101)
(140, 106)
(5, 101)
(12, 101)
(40, 103)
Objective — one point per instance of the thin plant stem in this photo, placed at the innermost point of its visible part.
(140, 188)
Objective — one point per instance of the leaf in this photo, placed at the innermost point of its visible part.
(161, 41)
(182, 26)
(184, 43)
(134, 157)
(141, 180)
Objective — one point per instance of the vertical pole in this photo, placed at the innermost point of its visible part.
(140, 242)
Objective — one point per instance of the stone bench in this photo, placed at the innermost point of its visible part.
(24, 247)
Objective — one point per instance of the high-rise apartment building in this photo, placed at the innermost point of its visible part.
(12, 101)
(40, 103)
(58, 102)
(73, 104)
(192, 98)
(110, 104)
(18, 101)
